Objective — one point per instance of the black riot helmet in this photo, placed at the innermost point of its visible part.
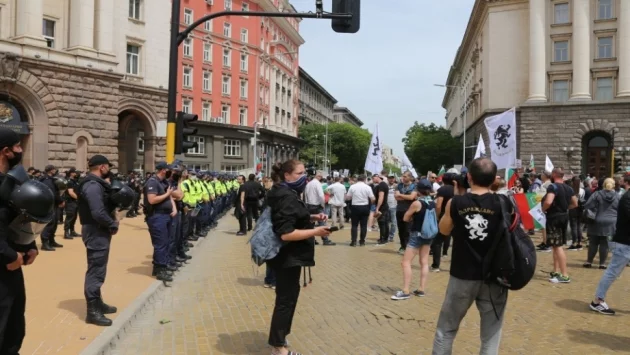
(122, 197)
(116, 185)
(34, 202)
(61, 183)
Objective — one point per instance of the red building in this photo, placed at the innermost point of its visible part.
(234, 71)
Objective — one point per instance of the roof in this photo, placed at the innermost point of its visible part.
(346, 111)
(303, 75)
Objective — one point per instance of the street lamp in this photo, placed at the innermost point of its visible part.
(464, 91)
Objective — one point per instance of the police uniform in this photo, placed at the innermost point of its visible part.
(97, 229)
(48, 234)
(71, 205)
(159, 221)
(176, 249)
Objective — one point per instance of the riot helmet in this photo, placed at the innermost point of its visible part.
(61, 183)
(34, 202)
(116, 185)
(122, 199)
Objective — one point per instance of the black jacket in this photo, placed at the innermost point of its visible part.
(50, 182)
(622, 234)
(289, 213)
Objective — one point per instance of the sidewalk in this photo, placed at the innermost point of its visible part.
(55, 306)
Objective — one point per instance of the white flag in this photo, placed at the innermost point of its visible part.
(548, 164)
(481, 148)
(406, 165)
(502, 132)
(374, 160)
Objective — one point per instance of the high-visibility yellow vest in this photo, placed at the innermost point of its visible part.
(189, 195)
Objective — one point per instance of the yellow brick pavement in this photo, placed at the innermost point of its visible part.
(217, 305)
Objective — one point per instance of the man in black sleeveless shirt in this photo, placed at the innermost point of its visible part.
(472, 220)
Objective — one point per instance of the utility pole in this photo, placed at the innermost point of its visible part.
(326, 148)
(255, 144)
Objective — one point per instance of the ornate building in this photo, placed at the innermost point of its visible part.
(316, 104)
(344, 115)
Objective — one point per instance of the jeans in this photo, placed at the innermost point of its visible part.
(337, 215)
(460, 294)
(287, 293)
(576, 230)
(596, 243)
(403, 229)
(392, 222)
(620, 258)
(360, 216)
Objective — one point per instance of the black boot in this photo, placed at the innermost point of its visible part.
(54, 244)
(46, 245)
(74, 234)
(67, 234)
(107, 309)
(95, 314)
(163, 275)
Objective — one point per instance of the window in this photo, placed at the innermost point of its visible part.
(604, 90)
(208, 26)
(228, 5)
(201, 145)
(188, 47)
(188, 16)
(561, 13)
(227, 30)
(207, 81)
(207, 52)
(244, 62)
(140, 141)
(187, 78)
(231, 147)
(605, 9)
(244, 35)
(232, 169)
(245, 6)
(227, 57)
(134, 9)
(560, 51)
(605, 47)
(205, 111)
(225, 114)
(242, 116)
(225, 85)
(243, 89)
(48, 31)
(560, 90)
(202, 167)
(133, 59)
(187, 105)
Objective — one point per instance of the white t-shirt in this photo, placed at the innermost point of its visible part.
(361, 194)
(337, 194)
(314, 193)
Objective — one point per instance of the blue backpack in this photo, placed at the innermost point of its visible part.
(264, 241)
(429, 224)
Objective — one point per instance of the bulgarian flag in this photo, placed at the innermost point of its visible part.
(510, 177)
(524, 203)
(441, 172)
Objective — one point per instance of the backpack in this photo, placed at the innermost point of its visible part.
(264, 242)
(429, 224)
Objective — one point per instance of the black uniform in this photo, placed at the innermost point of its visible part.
(71, 210)
(48, 234)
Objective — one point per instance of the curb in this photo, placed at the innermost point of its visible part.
(107, 339)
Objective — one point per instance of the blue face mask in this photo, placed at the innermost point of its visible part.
(298, 185)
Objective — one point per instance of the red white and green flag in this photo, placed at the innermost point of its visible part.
(511, 175)
(524, 203)
(441, 172)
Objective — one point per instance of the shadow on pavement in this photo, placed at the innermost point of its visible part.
(605, 340)
(248, 281)
(250, 342)
(385, 289)
(141, 270)
(575, 305)
(384, 251)
(76, 306)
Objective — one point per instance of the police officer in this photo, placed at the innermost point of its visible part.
(175, 234)
(17, 250)
(97, 229)
(48, 234)
(70, 197)
(158, 201)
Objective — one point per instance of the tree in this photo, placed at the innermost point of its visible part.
(430, 146)
(347, 145)
(391, 167)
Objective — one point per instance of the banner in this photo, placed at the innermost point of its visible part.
(481, 148)
(502, 132)
(526, 203)
(374, 160)
(548, 164)
(406, 165)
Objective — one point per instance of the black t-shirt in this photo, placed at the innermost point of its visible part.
(381, 187)
(157, 187)
(560, 205)
(476, 219)
(446, 192)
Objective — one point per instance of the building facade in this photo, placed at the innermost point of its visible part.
(565, 65)
(68, 84)
(344, 115)
(316, 104)
(389, 157)
(237, 72)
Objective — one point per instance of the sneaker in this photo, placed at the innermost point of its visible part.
(267, 286)
(401, 251)
(587, 265)
(602, 308)
(573, 248)
(540, 246)
(603, 267)
(435, 269)
(553, 276)
(391, 239)
(579, 247)
(418, 293)
(560, 279)
(400, 295)
(545, 249)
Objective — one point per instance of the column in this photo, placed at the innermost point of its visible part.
(624, 49)
(81, 26)
(581, 54)
(28, 21)
(537, 52)
(104, 27)
(150, 144)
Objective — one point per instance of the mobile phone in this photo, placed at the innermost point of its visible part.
(333, 229)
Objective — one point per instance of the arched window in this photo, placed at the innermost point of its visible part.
(597, 155)
(82, 153)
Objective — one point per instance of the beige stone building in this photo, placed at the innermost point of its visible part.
(344, 115)
(84, 77)
(565, 65)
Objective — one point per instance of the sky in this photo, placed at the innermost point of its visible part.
(385, 73)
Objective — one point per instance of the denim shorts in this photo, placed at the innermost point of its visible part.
(372, 208)
(416, 241)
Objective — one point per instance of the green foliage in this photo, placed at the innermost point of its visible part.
(347, 147)
(393, 168)
(430, 146)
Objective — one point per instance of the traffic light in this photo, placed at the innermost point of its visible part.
(183, 131)
(344, 7)
(617, 163)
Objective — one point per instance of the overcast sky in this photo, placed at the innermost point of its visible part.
(385, 72)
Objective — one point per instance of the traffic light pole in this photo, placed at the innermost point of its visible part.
(178, 37)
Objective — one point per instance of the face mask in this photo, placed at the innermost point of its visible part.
(298, 185)
(193, 177)
(175, 177)
(17, 158)
(107, 175)
(168, 174)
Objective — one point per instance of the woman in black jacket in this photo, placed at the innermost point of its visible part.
(294, 225)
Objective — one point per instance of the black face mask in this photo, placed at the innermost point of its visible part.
(107, 175)
(176, 177)
(17, 158)
(168, 174)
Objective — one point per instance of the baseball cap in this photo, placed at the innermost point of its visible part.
(162, 165)
(49, 167)
(98, 160)
(424, 184)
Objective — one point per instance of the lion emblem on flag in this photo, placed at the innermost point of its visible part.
(501, 136)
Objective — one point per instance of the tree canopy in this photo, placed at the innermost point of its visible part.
(428, 147)
(347, 145)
